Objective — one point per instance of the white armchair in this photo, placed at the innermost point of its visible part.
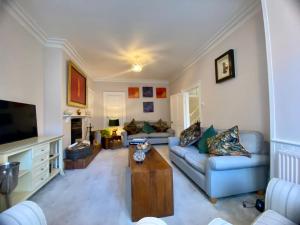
(24, 213)
(282, 205)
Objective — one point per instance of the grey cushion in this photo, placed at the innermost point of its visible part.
(139, 135)
(159, 134)
(252, 141)
(196, 160)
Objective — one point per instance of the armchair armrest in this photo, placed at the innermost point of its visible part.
(173, 141)
(237, 162)
(26, 213)
(283, 197)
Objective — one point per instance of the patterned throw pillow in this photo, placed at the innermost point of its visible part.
(132, 128)
(190, 135)
(227, 143)
(161, 126)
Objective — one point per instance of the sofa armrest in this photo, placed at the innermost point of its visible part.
(25, 213)
(283, 197)
(173, 141)
(171, 131)
(124, 134)
(237, 162)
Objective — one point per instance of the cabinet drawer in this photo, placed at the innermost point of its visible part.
(40, 150)
(40, 169)
(40, 179)
(40, 159)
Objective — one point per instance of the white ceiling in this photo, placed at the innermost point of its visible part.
(166, 34)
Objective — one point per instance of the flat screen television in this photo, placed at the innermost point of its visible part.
(17, 121)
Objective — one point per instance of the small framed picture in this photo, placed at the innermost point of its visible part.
(148, 92)
(148, 107)
(133, 92)
(224, 66)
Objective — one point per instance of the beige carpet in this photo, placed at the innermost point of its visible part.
(99, 195)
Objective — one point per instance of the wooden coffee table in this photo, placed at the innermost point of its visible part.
(151, 186)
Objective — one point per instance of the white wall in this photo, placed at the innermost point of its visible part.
(134, 107)
(21, 66)
(241, 101)
(282, 27)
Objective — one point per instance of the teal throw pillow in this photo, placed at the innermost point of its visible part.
(147, 128)
(202, 143)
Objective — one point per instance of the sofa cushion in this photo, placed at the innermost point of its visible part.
(237, 162)
(190, 135)
(196, 160)
(161, 126)
(147, 128)
(139, 135)
(202, 143)
(227, 143)
(159, 135)
(178, 150)
(132, 128)
(253, 141)
(272, 217)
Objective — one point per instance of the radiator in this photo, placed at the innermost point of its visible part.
(289, 166)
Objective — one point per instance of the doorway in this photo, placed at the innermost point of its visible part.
(114, 107)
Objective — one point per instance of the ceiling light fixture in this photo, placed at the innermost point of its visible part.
(137, 68)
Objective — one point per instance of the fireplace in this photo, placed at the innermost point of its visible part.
(76, 129)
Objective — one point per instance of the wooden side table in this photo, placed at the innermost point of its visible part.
(114, 142)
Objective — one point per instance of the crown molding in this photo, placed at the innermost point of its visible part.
(15, 9)
(232, 25)
(135, 81)
(67, 47)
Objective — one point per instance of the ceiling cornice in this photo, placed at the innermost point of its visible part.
(16, 10)
(233, 24)
(136, 81)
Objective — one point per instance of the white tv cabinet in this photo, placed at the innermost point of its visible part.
(41, 159)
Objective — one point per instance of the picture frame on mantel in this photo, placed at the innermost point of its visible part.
(224, 66)
(77, 86)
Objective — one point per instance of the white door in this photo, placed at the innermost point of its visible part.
(178, 107)
(114, 107)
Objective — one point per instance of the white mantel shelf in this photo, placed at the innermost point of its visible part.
(76, 116)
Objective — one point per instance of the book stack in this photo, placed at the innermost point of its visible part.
(137, 141)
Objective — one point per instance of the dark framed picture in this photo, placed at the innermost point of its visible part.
(148, 107)
(77, 86)
(148, 92)
(224, 66)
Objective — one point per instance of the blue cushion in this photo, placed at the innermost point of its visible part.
(196, 160)
(237, 162)
(181, 151)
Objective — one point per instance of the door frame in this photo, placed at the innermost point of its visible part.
(186, 105)
(105, 93)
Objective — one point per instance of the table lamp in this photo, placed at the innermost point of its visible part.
(114, 123)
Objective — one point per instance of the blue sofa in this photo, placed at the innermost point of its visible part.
(222, 176)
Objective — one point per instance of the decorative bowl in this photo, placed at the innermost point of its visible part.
(144, 147)
(139, 156)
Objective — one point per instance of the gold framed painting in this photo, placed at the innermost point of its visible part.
(77, 86)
